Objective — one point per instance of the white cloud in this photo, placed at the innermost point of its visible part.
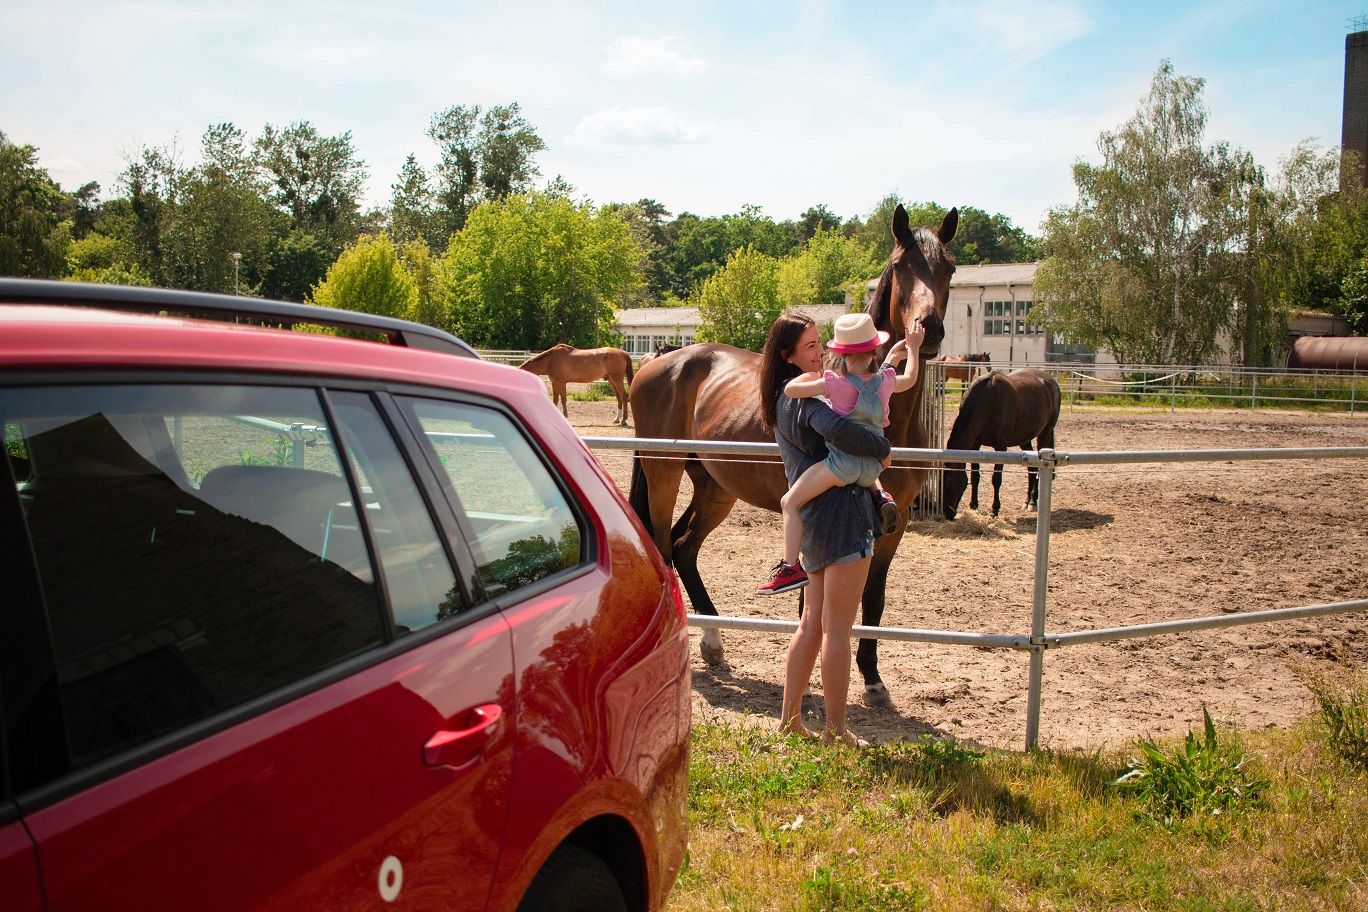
(1026, 30)
(637, 127)
(632, 56)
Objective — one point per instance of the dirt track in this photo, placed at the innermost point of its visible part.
(1131, 545)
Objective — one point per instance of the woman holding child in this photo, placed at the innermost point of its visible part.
(839, 523)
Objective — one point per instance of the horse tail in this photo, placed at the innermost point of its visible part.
(629, 368)
(639, 495)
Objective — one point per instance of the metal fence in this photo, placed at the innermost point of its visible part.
(1211, 386)
(1038, 640)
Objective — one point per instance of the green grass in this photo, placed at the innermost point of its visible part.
(783, 823)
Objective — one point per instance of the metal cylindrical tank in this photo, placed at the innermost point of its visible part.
(1329, 353)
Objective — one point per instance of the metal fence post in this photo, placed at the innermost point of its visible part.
(1042, 566)
(1173, 392)
(1254, 392)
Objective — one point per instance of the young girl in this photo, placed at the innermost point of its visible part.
(861, 395)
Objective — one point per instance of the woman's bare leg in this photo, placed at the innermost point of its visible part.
(841, 586)
(814, 481)
(802, 656)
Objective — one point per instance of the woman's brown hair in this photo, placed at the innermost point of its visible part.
(774, 370)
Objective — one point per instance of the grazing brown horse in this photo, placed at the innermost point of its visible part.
(963, 367)
(1001, 411)
(711, 392)
(564, 364)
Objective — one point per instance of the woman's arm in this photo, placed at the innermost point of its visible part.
(842, 433)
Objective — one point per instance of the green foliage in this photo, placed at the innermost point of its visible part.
(477, 167)
(33, 235)
(368, 278)
(819, 273)
(980, 237)
(412, 216)
(1201, 777)
(1343, 700)
(316, 180)
(427, 307)
(1147, 262)
(117, 274)
(738, 305)
(699, 247)
(533, 270)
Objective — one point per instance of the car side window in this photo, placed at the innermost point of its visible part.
(197, 547)
(419, 580)
(522, 525)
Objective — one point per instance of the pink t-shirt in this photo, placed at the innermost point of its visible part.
(843, 395)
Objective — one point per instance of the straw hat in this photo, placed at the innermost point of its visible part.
(856, 333)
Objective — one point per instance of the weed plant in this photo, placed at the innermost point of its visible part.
(1201, 776)
(1343, 700)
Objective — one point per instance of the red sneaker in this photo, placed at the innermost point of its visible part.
(785, 578)
(888, 514)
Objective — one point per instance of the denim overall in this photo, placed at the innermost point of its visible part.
(869, 413)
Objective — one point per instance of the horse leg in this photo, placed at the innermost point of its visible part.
(707, 509)
(973, 486)
(1032, 483)
(558, 396)
(620, 392)
(997, 483)
(871, 615)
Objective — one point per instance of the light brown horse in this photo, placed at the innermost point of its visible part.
(963, 368)
(711, 392)
(566, 364)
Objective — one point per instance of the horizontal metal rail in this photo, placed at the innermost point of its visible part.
(861, 632)
(1238, 619)
(739, 448)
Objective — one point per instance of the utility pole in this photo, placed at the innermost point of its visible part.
(237, 257)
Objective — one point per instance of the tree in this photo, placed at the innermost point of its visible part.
(480, 167)
(828, 262)
(219, 209)
(33, 236)
(739, 303)
(507, 144)
(368, 278)
(427, 306)
(1142, 263)
(533, 270)
(317, 180)
(411, 216)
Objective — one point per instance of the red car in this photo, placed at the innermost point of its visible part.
(298, 620)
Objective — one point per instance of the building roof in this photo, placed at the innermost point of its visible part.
(991, 274)
(670, 317)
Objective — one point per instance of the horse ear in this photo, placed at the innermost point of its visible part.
(902, 229)
(948, 226)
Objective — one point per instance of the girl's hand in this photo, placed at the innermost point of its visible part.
(897, 352)
(916, 332)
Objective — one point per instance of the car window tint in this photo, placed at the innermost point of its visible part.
(197, 547)
(418, 577)
(523, 526)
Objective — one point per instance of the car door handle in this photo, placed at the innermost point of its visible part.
(457, 747)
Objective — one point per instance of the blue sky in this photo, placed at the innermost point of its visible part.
(705, 106)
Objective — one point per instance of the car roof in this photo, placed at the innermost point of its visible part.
(54, 337)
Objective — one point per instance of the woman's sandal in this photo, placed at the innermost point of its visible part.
(847, 737)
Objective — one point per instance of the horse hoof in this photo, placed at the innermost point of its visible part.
(877, 695)
(713, 655)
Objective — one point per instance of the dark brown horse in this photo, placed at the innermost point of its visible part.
(565, 364)
(656, 352)
(963, 368)
(711, 392)
(1001, 411)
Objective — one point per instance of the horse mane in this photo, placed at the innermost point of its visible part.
(878, 306)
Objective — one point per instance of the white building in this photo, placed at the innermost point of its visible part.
(989, 312)
(643, 328)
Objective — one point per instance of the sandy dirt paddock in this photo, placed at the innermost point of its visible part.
(1131, 545)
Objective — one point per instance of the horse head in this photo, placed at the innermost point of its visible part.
(915, 285)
